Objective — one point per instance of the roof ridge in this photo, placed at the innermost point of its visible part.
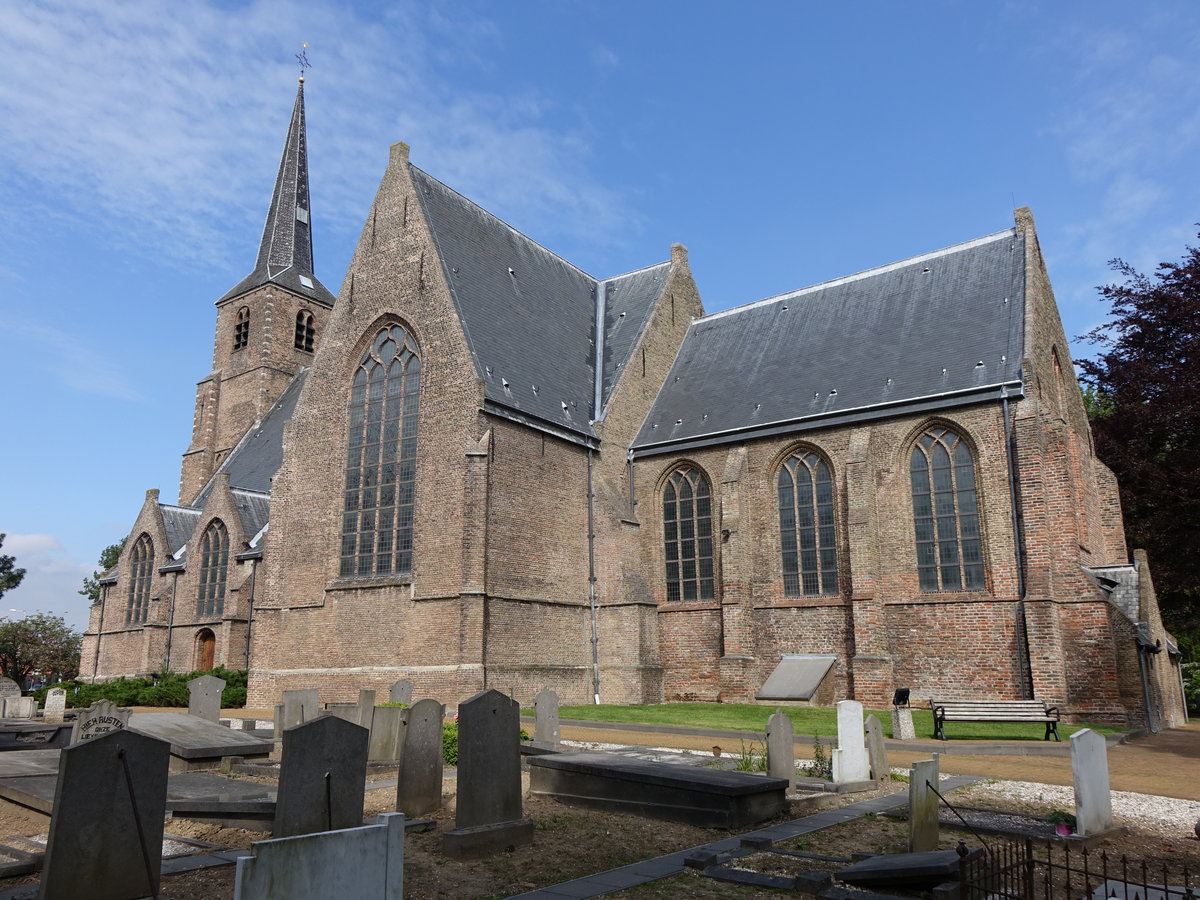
(512, 228)
(865, 273)
(665, 262)
(179, 506)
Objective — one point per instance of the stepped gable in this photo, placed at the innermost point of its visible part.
(927, 333)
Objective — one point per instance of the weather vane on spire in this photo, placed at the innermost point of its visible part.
(302, 58)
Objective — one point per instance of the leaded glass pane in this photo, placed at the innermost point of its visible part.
(806, 521)
(687, 536)
(945, 515)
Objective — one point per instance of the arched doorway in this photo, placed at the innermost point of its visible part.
(206, 650)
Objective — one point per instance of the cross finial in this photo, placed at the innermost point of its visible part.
(302, 58)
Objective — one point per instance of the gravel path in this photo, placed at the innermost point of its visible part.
(1145, 810)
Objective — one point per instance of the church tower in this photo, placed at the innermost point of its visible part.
(268, 325)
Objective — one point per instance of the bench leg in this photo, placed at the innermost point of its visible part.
(1052, 728)
(939, 729)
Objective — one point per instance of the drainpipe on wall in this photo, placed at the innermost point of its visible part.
(170, 622)
(250, 608)
(1018, 547)
(99, 631)
(591, 498)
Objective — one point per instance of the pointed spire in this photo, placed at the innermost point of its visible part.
(285, 254)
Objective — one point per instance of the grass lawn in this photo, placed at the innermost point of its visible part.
(818, 720)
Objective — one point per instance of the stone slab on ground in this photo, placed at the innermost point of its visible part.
(708, 798)
(192, 738)
(29, 762)
(797, 677)
(21, 735)
(910, 870)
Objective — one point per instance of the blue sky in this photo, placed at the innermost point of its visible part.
(785, 143)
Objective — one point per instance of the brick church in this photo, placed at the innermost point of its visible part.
(480, 466)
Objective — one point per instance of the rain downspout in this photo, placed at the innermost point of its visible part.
(1018, 546)
(170, 621)
(597, 409)
(99, 630)
(250, 607)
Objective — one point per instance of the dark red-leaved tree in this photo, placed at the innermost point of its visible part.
(1143, 388)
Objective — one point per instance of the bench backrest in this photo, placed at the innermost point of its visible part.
(991, 709)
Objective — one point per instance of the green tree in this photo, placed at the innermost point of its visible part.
(41, 644)
(10, 576)
(108, 558)
(1144, 392)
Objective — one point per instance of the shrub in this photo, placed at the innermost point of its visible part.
(163, 689)
(450, 741)
(1191, 686)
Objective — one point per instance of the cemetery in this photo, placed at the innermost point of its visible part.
(316, 799)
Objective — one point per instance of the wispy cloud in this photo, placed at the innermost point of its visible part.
(166, 121)
(51, 583)
(89, 371)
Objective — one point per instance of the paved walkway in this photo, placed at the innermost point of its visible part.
(731, 848)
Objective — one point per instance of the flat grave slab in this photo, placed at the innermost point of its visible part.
(709, 798)
(196, 741)
(30, 762)
(21, 734)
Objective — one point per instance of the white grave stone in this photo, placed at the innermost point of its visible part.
(850, 762)
(56, 706)
(100, 718)
(1089, 770)
(923, 806)
(781, 748)
(19, 708)
(545, 710)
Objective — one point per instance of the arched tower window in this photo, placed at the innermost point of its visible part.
(214, 561)
(141, 572)
(305, 332)
(381, 458)
(241, 328)
(949, 550)
(688, 537)
(806, 531)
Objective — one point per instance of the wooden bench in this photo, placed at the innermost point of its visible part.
(993, 711)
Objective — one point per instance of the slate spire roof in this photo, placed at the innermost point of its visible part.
(285, 256)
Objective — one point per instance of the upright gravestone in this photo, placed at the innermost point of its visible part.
(19, 708)
(923, 806)
(877, 751)
(100, 718)
(781, 748)
(204, 697)
(902, 723)
(419, 781)
(1089, 770)
(488, 816)
(322, 777)
(545, 723)
(299, 707)
(107, 826)
(401, 692)
(8, 688)
(387, 734)
(365, 708)
(850, 765)
(55, 709)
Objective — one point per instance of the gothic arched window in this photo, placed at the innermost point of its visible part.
(141, 571)
(688, 536)
(214, 561)
(381, 458)
(949, 549)
(241, 328)
(806, 532)
(305, 332)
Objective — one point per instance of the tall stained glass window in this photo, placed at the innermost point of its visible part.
(214, 561)
(688, 536)
(381, 458)
(946, 514)
(141, 572)
(806, 532)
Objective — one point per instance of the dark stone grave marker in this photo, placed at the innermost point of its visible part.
(322, 777)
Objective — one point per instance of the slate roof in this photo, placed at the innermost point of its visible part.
(530, 317)
(926, 333)
(285, 254)
(179, 522)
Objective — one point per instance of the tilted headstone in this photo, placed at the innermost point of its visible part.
(545, 724)
(923, 806)
(850, 764)
(106, 787)
(366, 708)
(204, 697)
(100, 718)
(781, 747)
(401, 692)
(902, 723)
(9, 688)
(299, 707)
(387, 734)
(278, 729)
(19, 708)
(322, 777)
(55, 709)
(877, 751)
(419, 782)
(488, 814)
(1089, 770)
